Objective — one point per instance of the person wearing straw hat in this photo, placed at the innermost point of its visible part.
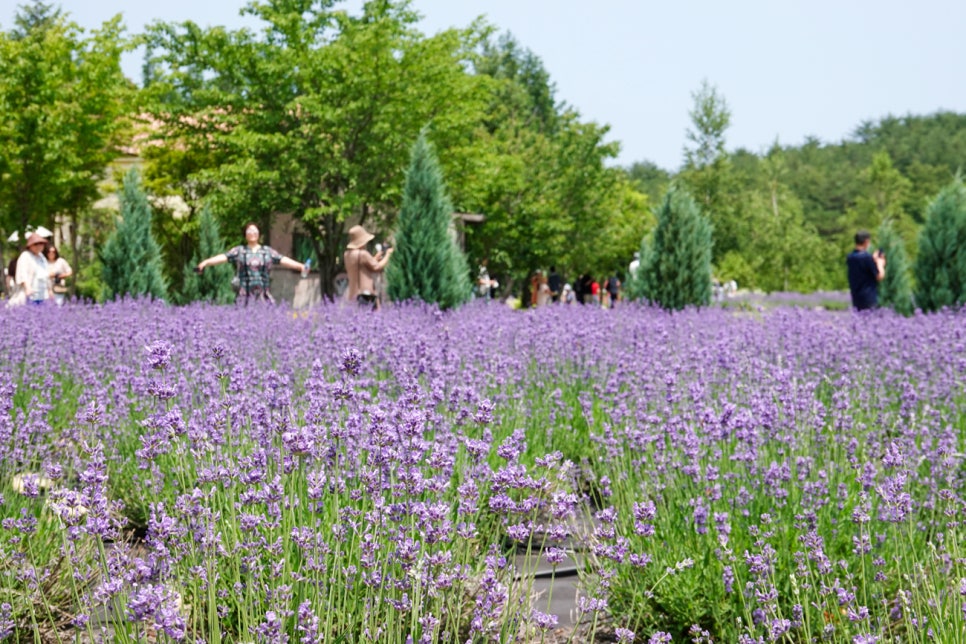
(33, 271)
(362, 268)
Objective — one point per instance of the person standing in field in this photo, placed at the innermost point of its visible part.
(33, 272)
(865, 271)
(634, 265)
(613, 288)
(544, 295)
(594, 291)
(253, 264)
(555, 282)
(484, 285)
(567, 295)
(362, 268)
(60, 270)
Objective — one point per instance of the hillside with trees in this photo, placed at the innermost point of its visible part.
(784, 219)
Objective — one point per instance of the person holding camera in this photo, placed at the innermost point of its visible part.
(362, 268)
(865, 271)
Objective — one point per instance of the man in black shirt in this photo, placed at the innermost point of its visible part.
(555, 283)
(865, 272)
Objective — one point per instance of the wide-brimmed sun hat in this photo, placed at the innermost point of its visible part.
(358, 237)
(35, 239)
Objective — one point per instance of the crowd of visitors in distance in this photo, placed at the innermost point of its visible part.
(38, 274)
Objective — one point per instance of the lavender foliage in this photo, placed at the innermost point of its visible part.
(217, 474)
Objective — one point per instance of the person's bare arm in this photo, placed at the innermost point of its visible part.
(288, 262)
(880, 264)
(379, 262)
(212, 261)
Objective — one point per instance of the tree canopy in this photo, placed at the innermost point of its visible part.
(65, 104)
(313, 116)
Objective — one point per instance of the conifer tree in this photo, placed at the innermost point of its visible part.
(895, 289)
(940, 267)
(214, 284)
(634, 288)
(675, 269)
(131, 258)
(427, 265)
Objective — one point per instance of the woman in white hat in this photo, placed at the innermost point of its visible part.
(362, 267)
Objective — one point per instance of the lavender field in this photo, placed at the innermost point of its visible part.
(212, 474)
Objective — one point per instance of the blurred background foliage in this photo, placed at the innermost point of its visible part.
(314, 116)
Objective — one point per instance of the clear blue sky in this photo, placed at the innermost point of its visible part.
(787, 68)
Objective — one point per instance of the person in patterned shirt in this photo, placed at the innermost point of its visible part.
(253, 264)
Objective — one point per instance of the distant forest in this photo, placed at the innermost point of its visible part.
(784, 220)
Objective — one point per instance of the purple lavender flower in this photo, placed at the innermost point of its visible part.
(158, 355)
(865, 639)
(351, 363)
(544, 621)
(7, 624)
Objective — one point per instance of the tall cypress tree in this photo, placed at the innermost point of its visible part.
(941, 264)
(131, 258)
(895, 289)
(675, 270)
(634, 288)
(213, 285)
(427, 265)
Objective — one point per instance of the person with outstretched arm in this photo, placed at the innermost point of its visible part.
(253, 264)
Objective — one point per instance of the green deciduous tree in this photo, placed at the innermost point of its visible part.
(64, 102)
(675, 267)
(707, 172)
(540, 176)
(650, 179)
(214, 284)
(427, 265)
(131, 258)
(313, 116)
(895, 289)
(777, 249)
(927, 149)
(885, 193)
(940, 266)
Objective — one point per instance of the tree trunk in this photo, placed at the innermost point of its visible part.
(327, 241)
(3, 263)
(73, 252)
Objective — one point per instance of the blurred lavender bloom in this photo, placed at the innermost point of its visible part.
(158, 355)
